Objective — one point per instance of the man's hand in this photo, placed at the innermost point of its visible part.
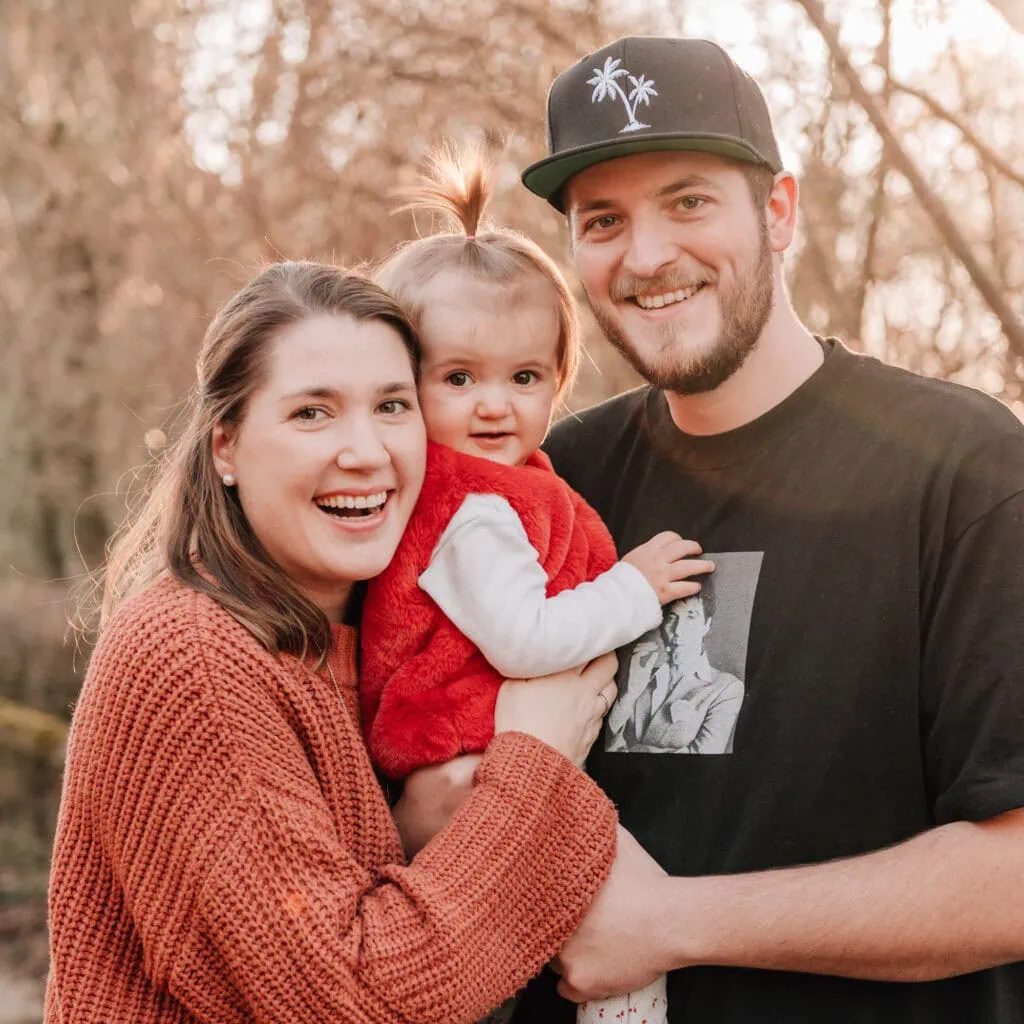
(616, 947)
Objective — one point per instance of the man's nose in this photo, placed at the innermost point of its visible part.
(651, 246)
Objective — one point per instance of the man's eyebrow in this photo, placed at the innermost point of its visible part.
(689, 181)
(593, 204)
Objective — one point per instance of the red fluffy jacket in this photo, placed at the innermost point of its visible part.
(427, 693)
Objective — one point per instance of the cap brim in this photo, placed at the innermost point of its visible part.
(546, 177)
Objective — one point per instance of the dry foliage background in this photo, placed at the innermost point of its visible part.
(154, 152)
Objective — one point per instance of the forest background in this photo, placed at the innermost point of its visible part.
(153, 153)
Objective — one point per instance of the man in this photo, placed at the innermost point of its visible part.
(674, 700)
(858, 855)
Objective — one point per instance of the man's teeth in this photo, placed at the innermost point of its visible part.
(370, 501)
(657, 301)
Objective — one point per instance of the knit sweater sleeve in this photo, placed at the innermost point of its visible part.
(243, 860)
(291, 928)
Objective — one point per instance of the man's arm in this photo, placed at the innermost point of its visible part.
(943, 903)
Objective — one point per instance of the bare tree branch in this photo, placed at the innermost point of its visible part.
(1012, 326)
(985, 151)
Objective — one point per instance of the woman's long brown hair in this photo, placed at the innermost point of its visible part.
(190, 526)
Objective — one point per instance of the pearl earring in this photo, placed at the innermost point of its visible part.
(228, 479)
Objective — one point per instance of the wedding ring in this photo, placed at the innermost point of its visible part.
(607, 706)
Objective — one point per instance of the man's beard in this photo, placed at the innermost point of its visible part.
(744, 310)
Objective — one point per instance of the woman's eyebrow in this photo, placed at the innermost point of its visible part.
(396, 387)
(310, 392)
(333, 394)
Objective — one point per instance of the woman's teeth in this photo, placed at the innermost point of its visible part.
(352, 504)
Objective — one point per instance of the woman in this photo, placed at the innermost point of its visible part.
(224, 852)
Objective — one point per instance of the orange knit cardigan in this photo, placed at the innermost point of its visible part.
(224, 851)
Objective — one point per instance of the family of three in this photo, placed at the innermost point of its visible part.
(350, 747)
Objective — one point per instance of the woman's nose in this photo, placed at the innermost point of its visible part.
(362, 448)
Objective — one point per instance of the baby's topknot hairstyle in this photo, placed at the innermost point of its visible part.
(456, 185)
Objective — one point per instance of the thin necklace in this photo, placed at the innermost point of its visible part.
(330, 672)
(337, 688)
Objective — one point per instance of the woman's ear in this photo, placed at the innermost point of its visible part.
(222, 445)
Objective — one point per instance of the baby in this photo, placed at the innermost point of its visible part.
(504, 571)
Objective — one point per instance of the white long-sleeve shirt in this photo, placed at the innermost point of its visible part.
(486, 576)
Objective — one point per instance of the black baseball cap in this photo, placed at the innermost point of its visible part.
(644, 93)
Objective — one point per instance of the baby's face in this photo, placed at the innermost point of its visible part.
(489, 375)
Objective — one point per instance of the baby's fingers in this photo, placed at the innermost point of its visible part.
(678, 589)
(684, 568)
(675, 548)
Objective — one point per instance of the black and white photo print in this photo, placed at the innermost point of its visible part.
(681, 685)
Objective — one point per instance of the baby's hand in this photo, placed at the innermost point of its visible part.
(668, 562)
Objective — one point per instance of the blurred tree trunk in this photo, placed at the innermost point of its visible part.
(29, 731)
(1011, 324)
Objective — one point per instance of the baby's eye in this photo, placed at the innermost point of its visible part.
(458, 379)
(524, 377)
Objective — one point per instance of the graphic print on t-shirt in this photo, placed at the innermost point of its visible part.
(681, 685)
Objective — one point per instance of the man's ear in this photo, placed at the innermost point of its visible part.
(222, 445)
(782, 206)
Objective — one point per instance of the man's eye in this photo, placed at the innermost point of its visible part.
(604, 223)
(524, 377)
(691, 202)
(458, 379)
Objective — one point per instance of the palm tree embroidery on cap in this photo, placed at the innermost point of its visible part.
(605, 83)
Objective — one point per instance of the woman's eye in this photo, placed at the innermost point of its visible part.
(309, 413)
(394, 406)
(458, 379)
(524, 377)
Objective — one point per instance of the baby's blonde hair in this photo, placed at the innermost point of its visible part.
(457, 184)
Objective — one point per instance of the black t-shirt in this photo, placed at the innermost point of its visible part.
(855, 674)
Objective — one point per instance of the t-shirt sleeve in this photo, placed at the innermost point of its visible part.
(972, 685)
(486, 577)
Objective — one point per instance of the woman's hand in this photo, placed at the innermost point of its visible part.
(430, 797)
(564, 710)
